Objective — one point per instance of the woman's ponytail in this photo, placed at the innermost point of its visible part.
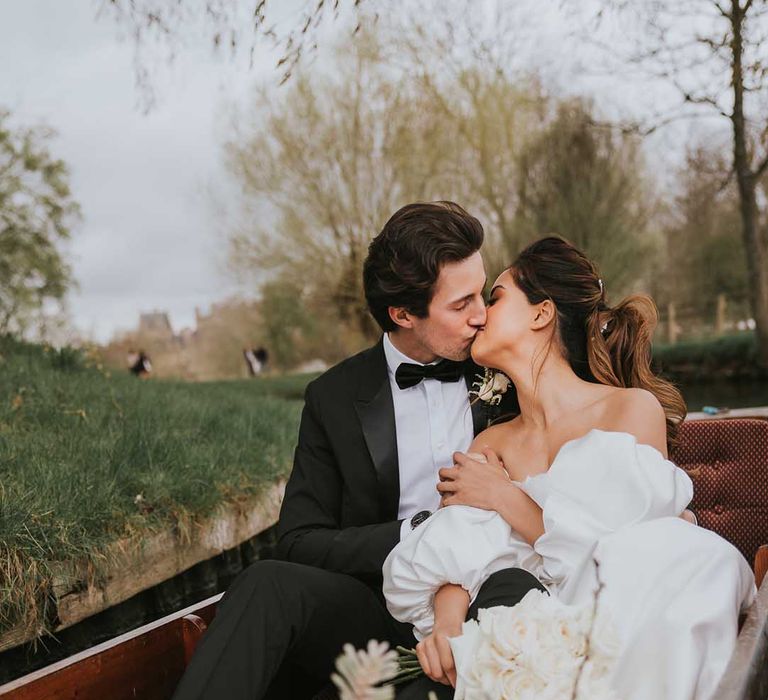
(619, 342)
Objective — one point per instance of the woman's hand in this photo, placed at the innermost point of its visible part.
(434, 651)
(435, 655)
(471, 482)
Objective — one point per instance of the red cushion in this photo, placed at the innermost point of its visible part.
(727, 459)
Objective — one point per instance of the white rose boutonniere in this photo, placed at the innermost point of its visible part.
(491, 386)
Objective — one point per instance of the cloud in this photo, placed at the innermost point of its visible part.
(149, 236)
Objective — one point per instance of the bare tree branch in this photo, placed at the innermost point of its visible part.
(761, 168)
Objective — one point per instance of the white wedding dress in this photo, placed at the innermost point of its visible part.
(672, 590)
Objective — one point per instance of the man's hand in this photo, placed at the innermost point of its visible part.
(473, 483)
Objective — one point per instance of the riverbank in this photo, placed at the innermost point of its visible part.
(89, 459)
(728, 358)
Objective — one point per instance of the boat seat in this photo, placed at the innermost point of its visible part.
(727, 459)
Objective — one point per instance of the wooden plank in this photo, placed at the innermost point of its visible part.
(755, 412)
(746, 676)
(145, 663)
(193, 628)
(156, 559)
(761, 564)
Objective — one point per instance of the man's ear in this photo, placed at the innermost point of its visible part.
(544, 314)
(400, 316)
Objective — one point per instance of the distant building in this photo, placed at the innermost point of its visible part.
(155, 323)
(212, 349)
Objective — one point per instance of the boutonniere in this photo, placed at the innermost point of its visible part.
(490, 386)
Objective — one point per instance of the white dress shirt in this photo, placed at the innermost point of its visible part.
(432, 421)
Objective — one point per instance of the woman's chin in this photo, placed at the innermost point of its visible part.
(479, 352)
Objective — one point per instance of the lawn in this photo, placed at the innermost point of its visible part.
(88, 457)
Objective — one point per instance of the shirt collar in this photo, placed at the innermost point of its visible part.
(395, 358)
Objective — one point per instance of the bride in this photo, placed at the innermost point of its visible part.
(578, 490)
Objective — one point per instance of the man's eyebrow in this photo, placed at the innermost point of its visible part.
(467, 296)
(464, 298)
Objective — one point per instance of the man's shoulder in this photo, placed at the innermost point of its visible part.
(346, 375)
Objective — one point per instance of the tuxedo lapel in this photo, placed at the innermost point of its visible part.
(483, 413)
(376, 412)
(479, 408)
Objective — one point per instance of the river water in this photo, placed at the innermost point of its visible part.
(725, 394)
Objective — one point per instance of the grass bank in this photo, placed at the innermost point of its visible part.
(727, 357)
(88, 457)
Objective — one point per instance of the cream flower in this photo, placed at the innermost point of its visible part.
(491, 386)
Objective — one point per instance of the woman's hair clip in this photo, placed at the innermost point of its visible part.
(600, 282)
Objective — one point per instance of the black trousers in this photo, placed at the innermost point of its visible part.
(280, 626)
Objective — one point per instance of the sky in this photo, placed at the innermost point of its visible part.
(148, 182)
(148, 238)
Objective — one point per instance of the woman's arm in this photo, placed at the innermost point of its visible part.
(434, 651)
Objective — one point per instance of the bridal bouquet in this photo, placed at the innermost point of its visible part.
(540, 649)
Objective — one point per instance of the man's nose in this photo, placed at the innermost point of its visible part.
(477, 318)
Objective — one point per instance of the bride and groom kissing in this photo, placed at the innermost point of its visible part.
(410, 507)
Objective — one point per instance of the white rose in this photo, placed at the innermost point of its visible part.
(521, 685)
(493, 384)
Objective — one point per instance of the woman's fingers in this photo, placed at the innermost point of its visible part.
(435, 665)
(492, 457)
(422, 657)
(447, 473)
(446, 659)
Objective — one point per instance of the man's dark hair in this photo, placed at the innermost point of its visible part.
(404, 260)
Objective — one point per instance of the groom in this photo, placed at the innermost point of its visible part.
(374, 431)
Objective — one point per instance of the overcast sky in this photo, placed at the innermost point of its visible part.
(149, 238)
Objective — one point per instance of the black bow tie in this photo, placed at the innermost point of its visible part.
(408, 375)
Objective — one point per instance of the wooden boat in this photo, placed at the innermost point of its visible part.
(727, 458)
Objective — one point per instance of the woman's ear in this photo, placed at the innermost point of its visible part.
(544, 314)
(400, 316)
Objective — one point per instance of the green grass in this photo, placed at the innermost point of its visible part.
(78, 445)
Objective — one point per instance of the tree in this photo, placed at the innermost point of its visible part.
(714, 53)
(325, 164)
(590, 185)
(36, 214)
(235, 26)
(480, 106)
(704, 255)
(322, 167)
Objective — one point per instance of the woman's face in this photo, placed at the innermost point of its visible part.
(508, 323)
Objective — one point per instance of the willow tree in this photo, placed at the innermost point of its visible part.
(321, 167)
(591, 185)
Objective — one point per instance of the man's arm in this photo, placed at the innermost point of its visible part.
(309, 527)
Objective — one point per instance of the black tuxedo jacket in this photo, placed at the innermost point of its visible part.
(341, 501)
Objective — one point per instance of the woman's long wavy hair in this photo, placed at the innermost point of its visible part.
(603, 344)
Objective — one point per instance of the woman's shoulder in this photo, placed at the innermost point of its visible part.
(497, 436)
(639, 413)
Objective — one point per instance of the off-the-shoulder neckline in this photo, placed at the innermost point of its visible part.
(583, 438)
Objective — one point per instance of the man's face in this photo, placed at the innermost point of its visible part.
(456, 312)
